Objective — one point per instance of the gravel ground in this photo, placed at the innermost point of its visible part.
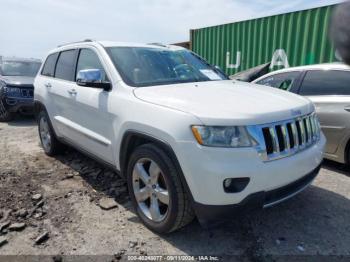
(58, 200)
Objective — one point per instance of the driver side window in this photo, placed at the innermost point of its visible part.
(88, 59)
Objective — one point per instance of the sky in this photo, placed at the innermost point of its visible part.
(30, 28)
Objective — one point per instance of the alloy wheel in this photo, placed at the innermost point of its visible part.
(150, 189)
(45, 133)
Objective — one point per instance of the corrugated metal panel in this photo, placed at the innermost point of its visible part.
(302, 36)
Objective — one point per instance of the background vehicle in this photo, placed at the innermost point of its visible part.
(16, 86)
(188, 140)
(328, 87)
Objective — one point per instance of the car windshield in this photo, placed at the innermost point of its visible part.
(143, 66)
(19, 68)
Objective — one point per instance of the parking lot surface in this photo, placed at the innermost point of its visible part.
(59, 199)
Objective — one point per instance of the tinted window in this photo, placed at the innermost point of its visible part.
(282, 81)
(49, 66)
(65, 67)
(326, 83)
(88, 59)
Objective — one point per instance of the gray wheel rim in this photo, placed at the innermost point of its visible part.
(45, 133)
(150, 189)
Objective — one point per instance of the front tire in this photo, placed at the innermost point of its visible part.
(156, 191)
(5, 115)
(48, 139)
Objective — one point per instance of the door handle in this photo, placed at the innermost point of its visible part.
(72, 92)
(48, 85)
(347, 108)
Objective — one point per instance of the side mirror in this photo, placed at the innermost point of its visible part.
(92, 78)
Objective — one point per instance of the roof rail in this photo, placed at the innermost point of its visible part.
(84, 41)
(158, 44)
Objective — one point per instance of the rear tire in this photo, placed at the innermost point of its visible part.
(48, 139)
(161, 203)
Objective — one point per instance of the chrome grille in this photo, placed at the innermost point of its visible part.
(285, 138)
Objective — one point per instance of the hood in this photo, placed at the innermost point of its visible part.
(18, 80)
(228, 102)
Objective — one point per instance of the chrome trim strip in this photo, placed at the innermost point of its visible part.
(276, 147)
(295, 135)
(309, 132)
(303, 133)
(285, 137)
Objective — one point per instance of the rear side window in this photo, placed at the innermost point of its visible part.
(88, 59)
(282, 81)
(326, 83)
(49, 66)
(65, 68)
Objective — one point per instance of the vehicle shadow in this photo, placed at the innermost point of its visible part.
(23, 121)
(315, 222)
(336, 167)
(105, 181)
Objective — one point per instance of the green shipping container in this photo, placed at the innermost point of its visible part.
(292, 39)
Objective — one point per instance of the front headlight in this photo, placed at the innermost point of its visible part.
(222, 136)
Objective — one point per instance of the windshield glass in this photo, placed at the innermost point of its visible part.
(19, 68)
(142, 66)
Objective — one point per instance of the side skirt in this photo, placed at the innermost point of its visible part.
(90, 155)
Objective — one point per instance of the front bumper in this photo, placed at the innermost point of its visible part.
(18, 104)
(210, 214)
(206, 168)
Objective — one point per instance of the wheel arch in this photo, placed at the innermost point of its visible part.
(132, 139)
(38, 106)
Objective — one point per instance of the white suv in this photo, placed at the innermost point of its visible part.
(189, 141)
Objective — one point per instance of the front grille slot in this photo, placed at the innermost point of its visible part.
(288, 137)
(280, 138)
(306, 130)
(300, 137)
(291, 136)
(268, 140)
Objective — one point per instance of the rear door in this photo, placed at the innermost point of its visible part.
(329, 90)
(62, 92)
(45, 81)
(287, 81)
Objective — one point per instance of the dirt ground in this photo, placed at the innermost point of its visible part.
(68, 217)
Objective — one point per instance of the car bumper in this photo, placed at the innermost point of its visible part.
(15, 104)
(208, 215)
(205, 170)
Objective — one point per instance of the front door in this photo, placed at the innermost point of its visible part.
(92, 123)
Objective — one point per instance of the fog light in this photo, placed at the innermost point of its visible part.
(235, 185)
(11, 102)
(227, 182)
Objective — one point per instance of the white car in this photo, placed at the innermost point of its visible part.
(189, 141)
